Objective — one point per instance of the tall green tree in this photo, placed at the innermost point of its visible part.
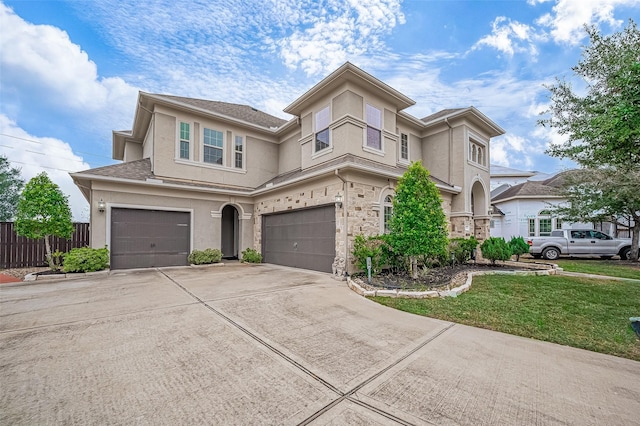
(11, 183)
(418, 224)
(603, 195)
(43, 211)
(602, 128)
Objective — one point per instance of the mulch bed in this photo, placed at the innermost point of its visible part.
(430, 279)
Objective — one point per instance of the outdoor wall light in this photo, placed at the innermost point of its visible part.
(101, 205)
(338, 200)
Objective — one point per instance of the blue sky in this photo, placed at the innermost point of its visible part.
(70, 71)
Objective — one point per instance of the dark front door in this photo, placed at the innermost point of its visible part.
(149, 238)
(229, 232)
(304, 238)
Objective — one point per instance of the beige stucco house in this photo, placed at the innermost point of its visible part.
(198, 174)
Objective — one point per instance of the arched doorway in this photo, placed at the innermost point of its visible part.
(229, 234)
(480, 211)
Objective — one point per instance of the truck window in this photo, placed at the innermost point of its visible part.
(599, 235)
(578, 234)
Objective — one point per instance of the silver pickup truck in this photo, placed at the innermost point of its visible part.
(579, 242)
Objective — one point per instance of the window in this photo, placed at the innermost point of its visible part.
(213, 144)
(387, 213)
(477, 153)
(185, 138)
(404, 147)
(558, 223)
(532, 227)
(322, 129)
(239, 150)
(545, 227)
(374, 124)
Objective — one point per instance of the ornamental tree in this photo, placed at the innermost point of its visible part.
(602, 126)
(43, 211)
(418, 225)
(11, 184)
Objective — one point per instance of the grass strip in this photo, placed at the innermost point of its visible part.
(583, 313)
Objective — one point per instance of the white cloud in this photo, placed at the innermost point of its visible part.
(510, 37)
(569, 17)
(37, 154)
(43, 61)
(342, 31)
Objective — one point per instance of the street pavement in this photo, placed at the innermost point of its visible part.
(263, 344)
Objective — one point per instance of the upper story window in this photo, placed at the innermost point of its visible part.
(322, 130)
(213, 146)
(239, 152)
(374, 126)
(477, 153)
(404, 146)
(185, 140)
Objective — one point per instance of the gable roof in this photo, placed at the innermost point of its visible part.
(472, 113)
(349, 72)
(440, 114)
(548, 188)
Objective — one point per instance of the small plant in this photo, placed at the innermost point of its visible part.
(251, 256)
(86, 259)
(373, 247)
(495, 248)
(461, 249)
(57, 258)
(204, 257)
(518, 246)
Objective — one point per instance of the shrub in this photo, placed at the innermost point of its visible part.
(496, 248)
(206, 256)
(86, 259)
(251, 256)
(461, 249)
(518, 246)
(374, 247)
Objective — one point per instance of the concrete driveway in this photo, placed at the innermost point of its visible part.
(262, 344)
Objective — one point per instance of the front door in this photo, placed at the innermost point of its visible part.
(229, 232)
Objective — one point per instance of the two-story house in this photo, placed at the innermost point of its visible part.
(198, 174)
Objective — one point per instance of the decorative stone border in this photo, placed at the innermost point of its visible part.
(541, 269)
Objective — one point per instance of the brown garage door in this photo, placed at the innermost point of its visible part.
(303, 238)
(149, 238)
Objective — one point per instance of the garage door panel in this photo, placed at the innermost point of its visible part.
(301, 238)
(149, 238)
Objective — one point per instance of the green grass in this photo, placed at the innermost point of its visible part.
(578, 312)
(612, 268)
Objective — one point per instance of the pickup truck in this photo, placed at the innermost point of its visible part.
(579, 242)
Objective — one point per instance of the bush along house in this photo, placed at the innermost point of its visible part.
(199, 174)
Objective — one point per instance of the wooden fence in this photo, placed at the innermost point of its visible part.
(22, 252)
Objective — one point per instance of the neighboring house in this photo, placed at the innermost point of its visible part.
(526, 209)
(505, 177)
(198, 174)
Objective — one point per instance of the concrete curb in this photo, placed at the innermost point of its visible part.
(454, 292)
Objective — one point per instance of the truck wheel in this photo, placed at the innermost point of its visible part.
(551, 253)
(625, 253)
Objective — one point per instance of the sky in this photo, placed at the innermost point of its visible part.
(70, 71)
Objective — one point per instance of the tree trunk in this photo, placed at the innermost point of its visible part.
(47, 247)
(635, 238)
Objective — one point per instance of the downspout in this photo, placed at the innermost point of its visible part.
(446, 121)
(346, 223)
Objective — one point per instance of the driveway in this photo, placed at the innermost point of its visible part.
(262, 344)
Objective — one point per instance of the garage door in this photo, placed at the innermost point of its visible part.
(149, 238)
(301, 238)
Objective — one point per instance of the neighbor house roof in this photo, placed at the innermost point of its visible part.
(534, 189)
(509, 172)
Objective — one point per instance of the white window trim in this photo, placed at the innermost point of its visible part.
(178, 139)
(223, 165)
(244, 152)
(329, 147)
(400, 159)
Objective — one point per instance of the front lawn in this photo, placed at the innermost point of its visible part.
(612, 268)
(578, 312)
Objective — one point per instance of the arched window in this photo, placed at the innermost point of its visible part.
(387, 213)
(480, 156)
(474, 157)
